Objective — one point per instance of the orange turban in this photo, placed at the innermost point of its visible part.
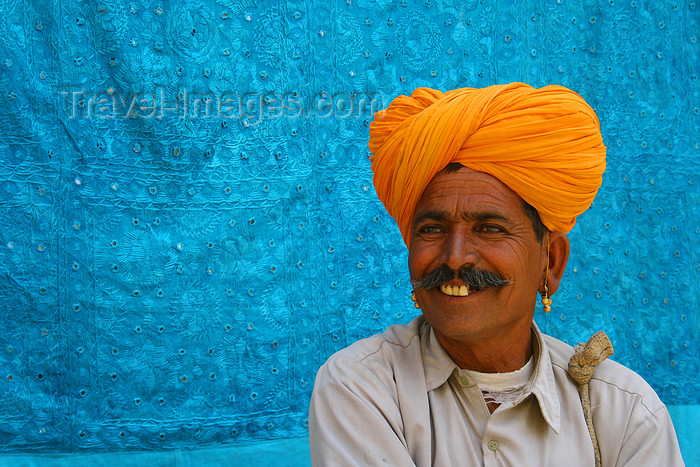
(544, 144)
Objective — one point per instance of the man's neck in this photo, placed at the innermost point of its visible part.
(493, 356)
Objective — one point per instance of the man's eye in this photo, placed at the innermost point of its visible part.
(430, 229)
(491, 229)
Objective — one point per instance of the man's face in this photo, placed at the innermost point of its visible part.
(471, 219)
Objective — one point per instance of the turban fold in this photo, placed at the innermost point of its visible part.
(544, 144)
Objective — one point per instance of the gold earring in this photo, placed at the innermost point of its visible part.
(546, 301)
(415, 300)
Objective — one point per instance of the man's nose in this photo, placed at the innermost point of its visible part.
(460, 249)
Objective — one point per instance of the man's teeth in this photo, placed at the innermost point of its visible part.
(455, 290)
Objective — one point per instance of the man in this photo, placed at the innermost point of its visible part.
(484, 184)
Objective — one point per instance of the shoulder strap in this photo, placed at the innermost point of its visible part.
(582, 365)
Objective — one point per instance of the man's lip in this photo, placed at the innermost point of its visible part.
(471, 295)
(461, 293)
(453, 282)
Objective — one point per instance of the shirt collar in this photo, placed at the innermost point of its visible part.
(543, 385)
(438, 366)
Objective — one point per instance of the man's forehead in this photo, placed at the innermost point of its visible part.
(462, 193)
(466, 184)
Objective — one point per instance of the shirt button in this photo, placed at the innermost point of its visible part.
(493, 445)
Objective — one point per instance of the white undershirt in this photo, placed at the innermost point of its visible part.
(498, 388)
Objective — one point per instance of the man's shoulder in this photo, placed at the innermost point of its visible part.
(394, 341)
(610, 378)
(378, 361)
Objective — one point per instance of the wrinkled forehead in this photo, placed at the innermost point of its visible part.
(469, 180)
(459, 187)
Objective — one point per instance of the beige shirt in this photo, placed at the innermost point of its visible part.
(398, 399)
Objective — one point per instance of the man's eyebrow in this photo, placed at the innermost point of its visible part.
(481, 216)
(469, 216)
(432, 215)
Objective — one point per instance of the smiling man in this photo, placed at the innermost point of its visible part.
(472, 222)
(484, 184)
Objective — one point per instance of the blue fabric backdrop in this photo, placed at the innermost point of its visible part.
(188, 227)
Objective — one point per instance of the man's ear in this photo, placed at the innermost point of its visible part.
(558, 256)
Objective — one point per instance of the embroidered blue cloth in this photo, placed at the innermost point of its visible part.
(188, 227)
